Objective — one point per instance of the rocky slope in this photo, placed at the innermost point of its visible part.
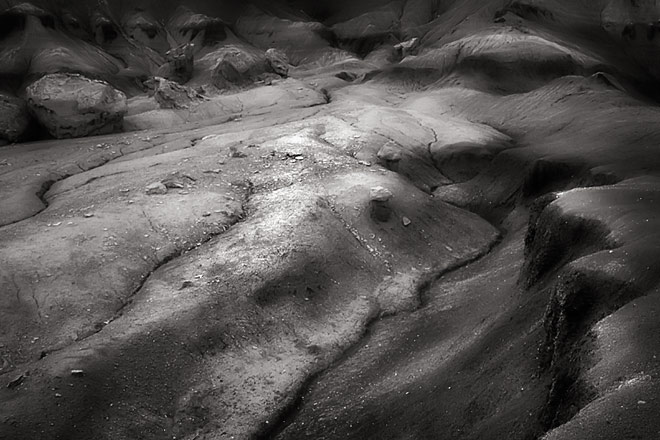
(366, 219)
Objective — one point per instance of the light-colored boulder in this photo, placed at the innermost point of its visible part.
(71, 105)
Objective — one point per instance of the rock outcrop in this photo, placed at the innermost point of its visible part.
(237, 67)
(278, 62)
(14, 118)
(187, 26)
(70, 105)
(171, 95)
(180, 63)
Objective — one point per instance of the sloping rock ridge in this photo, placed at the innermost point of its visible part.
(364, 219)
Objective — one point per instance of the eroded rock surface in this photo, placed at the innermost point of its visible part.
(357, 219)
(74, 106)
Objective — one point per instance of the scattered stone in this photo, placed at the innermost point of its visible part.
(186, 284)
(173, 183)
(77, 373)
(88, 215)
(390, 155)
(406, 221)
(380, 209)
(70, 105)
(16, 382)
(206, 214)
(364, 162)
(156, 188)
(278, 62)
(215, 171)
(380, 194)
(234, 152)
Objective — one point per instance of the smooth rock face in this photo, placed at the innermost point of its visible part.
(70, 105)
(14, 118)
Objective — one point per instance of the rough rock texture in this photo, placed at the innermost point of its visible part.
(450, 237)
(188, 26)
(179, 64)
(237, 67)
(169, 94)
(14, 118)
(278, 62)
(73, 106)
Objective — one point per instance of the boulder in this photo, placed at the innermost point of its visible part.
(237, 67)
(169, 94)
(71, 105)
(180, 63)
(278, 62)
(14, 118)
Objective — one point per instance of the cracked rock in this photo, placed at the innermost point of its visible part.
(70, 105)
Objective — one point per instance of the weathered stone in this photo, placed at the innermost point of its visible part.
(169, 94)
(380, 209)
(237, 67)
(278, 62)
(180, 63)
(380, 194)
(408, 47)
(156, 188)
(70, 105)
(390, 155)
(14, 118)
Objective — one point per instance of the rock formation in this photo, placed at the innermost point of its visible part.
(73, 106)
(340, 219)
